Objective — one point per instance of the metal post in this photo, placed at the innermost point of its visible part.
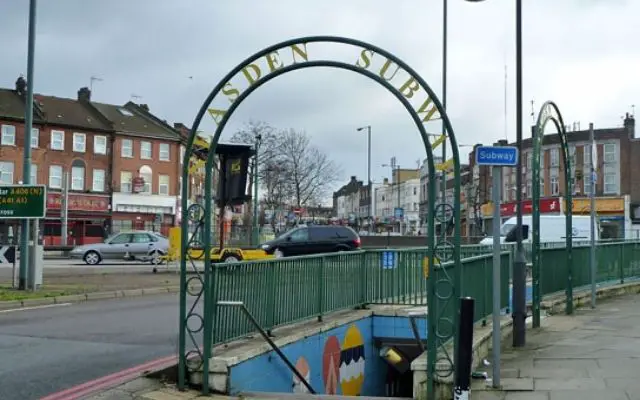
(399, 205)
(520, 263)
(65, 208)
(495, 313)
(26, 169)
(592, 198)
(256, 228)
(370, 191)
(443, 228)
(465, 352)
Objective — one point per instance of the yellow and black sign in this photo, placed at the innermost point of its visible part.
(234, 166)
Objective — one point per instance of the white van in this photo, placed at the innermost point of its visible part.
(552, 229)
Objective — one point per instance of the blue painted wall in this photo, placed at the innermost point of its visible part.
(397, 327)
(346, 353)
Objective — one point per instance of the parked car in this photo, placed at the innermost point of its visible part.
(313, 239)
(135, 245)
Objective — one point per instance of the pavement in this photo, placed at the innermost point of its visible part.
(49, 349)
(594, 354)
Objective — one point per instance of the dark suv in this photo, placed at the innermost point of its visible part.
(313, 239)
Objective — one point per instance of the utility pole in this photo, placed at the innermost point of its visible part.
(256, 228)
(592, 198)
(26, 169)
(520, 263)
(64, 208)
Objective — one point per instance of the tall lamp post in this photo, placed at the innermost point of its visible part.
(519, 265)
(368, 128)
(256, 228)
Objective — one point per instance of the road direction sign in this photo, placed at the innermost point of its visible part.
(7, 254)
(503, 156)
(23, 201)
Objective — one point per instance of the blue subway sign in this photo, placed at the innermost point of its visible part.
(502, 156)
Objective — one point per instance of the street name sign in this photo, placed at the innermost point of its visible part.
(499, 156)
(23, 201)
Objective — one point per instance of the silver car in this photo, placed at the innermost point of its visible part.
(136, 245)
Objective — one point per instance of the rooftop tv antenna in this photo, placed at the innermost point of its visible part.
(94, 79)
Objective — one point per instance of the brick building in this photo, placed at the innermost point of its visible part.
(145, 167)
(68, 140)
(122, 164)
(617, 190)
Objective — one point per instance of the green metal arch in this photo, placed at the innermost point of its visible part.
(550, 112)
(209, 305)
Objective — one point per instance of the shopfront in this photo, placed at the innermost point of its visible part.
(88, 219)
(610, 214)
(548, 206)
(143, 212)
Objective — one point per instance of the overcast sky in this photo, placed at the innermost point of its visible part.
(583, 54)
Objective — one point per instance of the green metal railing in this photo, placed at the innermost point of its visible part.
(284, 291)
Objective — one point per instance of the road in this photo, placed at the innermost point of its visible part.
(43, 351)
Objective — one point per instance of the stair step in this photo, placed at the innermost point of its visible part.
(304, 396)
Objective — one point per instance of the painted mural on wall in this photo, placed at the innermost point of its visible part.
(303, 367)
(352, 362)
(331, 365)
(340, 361)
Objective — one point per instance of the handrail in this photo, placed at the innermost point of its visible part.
(268, 340)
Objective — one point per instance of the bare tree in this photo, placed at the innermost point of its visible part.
(310, 172)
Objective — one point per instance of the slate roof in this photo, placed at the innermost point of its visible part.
(68, 112)
(11, 105)
(130, 119)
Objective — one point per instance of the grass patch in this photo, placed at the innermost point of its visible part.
(10, 294)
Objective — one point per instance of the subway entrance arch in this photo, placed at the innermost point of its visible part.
(422, 104)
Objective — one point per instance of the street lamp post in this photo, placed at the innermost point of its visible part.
(519, 265)
(26, 169)
(256, 228)
(368, 127)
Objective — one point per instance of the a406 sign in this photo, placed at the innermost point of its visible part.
(23, 201)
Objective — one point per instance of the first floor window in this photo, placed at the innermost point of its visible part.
(163, 185)
(98, 180)
(55, 177)
(125, 181)
(6, 172)
(77, 178)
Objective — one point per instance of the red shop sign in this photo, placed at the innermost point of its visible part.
(551, 205)
(79, 202)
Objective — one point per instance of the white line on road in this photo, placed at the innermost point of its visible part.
(34, 308)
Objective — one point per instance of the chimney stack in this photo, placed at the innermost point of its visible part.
(144, 107)
(21, 85)
(630, 125)
(84, 94)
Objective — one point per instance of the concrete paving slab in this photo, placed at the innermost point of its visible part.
(569, 384)
(608, 394)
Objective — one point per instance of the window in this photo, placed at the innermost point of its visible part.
(145, 150)
(6, 173)
(586, 154)
(98, 180)
(610, 180)
(555, 186)
(34, 174)
(8, 135)
(528, 190)
(164, 152)
(147, 175)
(163, 185)
(415, 190)
(57, 140)
(99, 145)
(77, 178)
(609, 152)
(141, 238)
(55, 177)
(121, 239)
(127, 148)
(299, 235)
(542, 191)
(182, 151)
(35, 138)
(79, 142)
(555, 157)
(586, 183)
(125, 112)
(529, 159)
(125, 181)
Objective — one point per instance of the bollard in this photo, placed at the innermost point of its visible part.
(462, 381)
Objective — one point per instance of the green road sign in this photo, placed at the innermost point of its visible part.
(22, 201)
